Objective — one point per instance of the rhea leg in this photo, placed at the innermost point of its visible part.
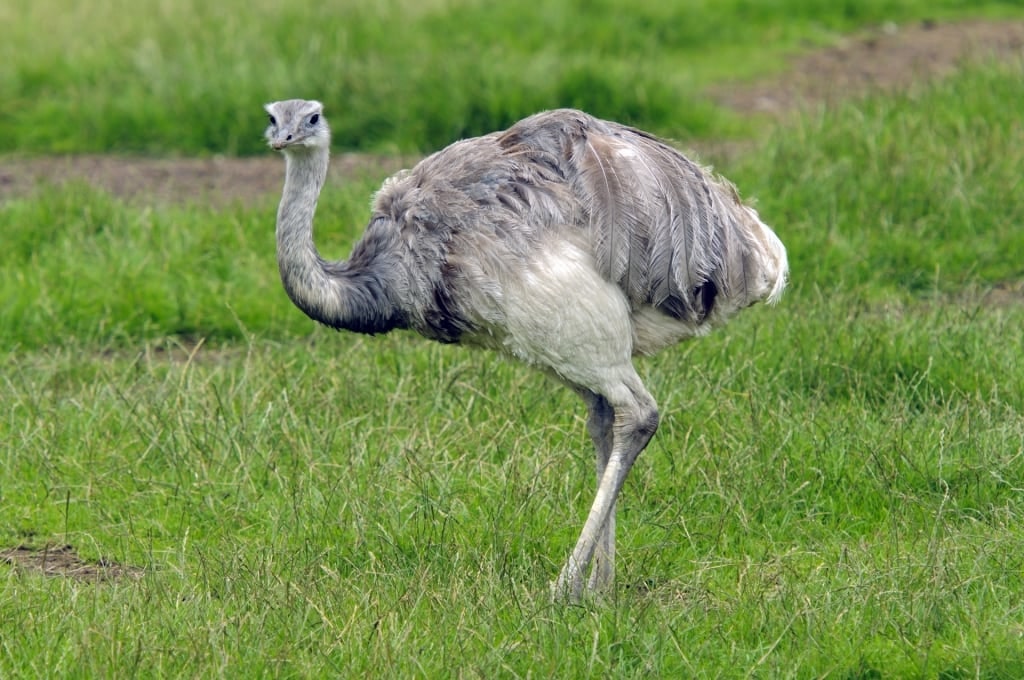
(634, 421)
(600, 420)
(561, 314)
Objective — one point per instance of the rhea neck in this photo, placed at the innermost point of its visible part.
(337, 294)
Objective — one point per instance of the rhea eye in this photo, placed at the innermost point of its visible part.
(314, 119)
(273, 121)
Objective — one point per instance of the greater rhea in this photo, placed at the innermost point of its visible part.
(567, 242)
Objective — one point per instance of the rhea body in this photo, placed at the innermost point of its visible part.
(567, 242)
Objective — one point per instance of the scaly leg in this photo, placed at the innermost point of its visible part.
(635, 421)
(600, 423)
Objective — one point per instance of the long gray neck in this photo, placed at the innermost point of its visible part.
(338, 294)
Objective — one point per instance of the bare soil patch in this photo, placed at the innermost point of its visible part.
(885, 58)
(63, 561)
(217, 181)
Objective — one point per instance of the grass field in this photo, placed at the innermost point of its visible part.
(837, 488)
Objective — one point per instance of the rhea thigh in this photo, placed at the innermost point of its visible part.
(563, 316)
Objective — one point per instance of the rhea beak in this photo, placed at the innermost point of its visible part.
(281, 141)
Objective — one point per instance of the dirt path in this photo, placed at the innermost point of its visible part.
(886, 58)
(216, 180)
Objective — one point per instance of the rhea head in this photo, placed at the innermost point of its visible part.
(296, 124)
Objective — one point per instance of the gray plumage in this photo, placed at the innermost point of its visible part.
(566, 241)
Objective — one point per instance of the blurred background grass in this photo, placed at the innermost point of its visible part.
(188, 77)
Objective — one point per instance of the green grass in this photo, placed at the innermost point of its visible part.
(191, 76)
(835, 489)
